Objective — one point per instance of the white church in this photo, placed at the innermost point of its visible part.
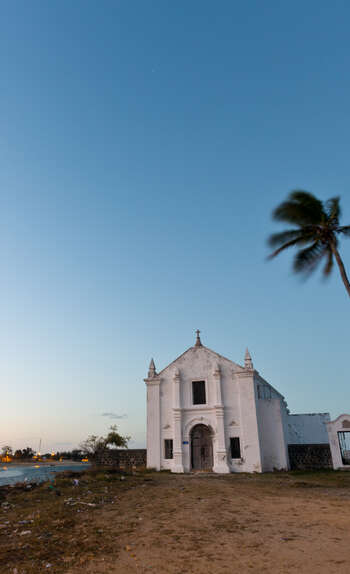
(205, 412)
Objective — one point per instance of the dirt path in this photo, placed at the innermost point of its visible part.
(199, 525)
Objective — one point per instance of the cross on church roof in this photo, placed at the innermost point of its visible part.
(198, 341)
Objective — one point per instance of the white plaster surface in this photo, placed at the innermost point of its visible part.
(308, 428)
(239, 403)
(272, 437)
(340, 424)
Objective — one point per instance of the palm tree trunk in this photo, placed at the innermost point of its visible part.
(341, 268)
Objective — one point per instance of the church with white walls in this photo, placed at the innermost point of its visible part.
(208, 413)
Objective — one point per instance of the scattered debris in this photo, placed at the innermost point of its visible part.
(42, 532)
(72, 502)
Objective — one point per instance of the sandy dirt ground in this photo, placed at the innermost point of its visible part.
(207, 524)
(183, 524)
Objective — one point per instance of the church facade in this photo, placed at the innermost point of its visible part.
(205, 412)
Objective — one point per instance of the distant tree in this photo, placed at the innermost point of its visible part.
(95, 445)
(6, 450)
(115, 439)
(27, 452)
(316, 234)
(18, 453)
(51, 455)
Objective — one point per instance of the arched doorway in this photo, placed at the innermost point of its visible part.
(201, 448)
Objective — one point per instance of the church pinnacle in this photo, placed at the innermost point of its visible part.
(152, 370)
(248, 363)
(198, 341)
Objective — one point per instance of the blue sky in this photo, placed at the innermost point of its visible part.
(143, 146)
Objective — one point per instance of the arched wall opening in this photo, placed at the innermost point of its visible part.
(201, 448)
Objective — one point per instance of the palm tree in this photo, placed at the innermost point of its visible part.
(316, 233)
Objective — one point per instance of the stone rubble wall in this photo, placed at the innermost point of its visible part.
(123, 458)
(301, 457)
(309, 456)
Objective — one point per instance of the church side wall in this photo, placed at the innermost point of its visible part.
(308, 428)
(271, 431)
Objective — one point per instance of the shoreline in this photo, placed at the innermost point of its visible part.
(36, 473)
(13, 463)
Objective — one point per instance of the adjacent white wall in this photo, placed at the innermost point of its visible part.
(340, 424)
(308, 428)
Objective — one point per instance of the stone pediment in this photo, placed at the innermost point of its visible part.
(202, 353)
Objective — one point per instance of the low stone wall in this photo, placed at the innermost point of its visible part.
(301, 457)
(309, 456)
(123, 458)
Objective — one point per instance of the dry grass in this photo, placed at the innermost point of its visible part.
(176, 524)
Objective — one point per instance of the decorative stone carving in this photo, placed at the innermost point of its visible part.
(248, 363)
(198, 341)
(152, 370)
(217, 370)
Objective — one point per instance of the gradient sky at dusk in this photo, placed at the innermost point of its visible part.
(143, 146)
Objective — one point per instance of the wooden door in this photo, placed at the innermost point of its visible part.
(201, 448)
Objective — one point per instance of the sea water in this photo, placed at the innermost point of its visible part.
(35, 474)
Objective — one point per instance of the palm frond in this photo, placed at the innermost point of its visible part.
(306, 260)
(327, 270)
(307, 199)
(317, 236)
(333, 209)
(301, 208)
(283, 247)
(283, 236)
(345, 230)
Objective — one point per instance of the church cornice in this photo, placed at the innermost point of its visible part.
(198, 410)
(150, 382)
(246, 374)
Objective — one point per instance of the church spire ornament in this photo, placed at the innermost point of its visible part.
(152, 370)
(248, 363)
(198, 340)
